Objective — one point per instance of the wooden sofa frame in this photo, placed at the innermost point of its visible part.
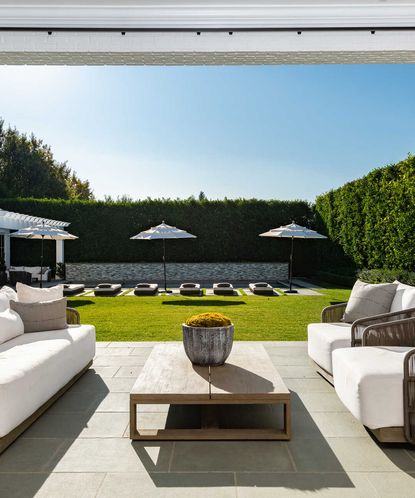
(72, 318)
(388, 329)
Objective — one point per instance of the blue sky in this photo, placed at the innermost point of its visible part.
(284, 132)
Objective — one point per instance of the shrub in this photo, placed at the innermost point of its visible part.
(378, 276)
(208, 320)
(373, 218)
(226, 230)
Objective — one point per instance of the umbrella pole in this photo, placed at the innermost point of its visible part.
(41, 264)
(164, 266)
(291, 291)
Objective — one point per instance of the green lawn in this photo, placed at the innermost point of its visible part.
(159, 318)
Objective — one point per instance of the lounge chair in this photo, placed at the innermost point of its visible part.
(73, 289)
(190, 289)
(107, 289)
(261, 289)
(145, 289)
(223, 289)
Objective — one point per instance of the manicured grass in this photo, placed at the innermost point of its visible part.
(159, 318)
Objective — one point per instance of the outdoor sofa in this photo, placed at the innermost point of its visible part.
(223, 289)
(73, 289)
(36, 368)
(36, 272)
(371, 363)
(190, 289)
(145, 289)
(261, 289)
(107, 289)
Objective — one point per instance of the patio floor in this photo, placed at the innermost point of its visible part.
(80, 446)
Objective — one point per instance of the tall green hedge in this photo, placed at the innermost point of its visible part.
(226, 230)
(373, 218)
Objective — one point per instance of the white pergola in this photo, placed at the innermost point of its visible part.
(206, 31)
(9, 222)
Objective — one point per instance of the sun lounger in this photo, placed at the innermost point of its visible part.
(190, 289)
(144, 289)
(261, 289)
(223, 289)
(107, 289)
(73, 289)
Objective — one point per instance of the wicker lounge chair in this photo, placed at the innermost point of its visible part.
(261, 289)
(333, 333)
(144, 289)
(107, 289)
(223, 289)
(73, 289)
(190, 289)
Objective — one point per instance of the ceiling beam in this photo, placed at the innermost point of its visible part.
(199, 15)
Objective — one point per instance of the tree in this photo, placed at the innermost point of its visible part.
(202, 196)
(28, 169)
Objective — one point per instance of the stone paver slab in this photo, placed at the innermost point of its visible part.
(230, 456)
(169, 485)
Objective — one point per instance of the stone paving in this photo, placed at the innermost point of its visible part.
(80, 446)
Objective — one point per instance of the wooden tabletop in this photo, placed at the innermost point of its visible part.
(248, 376)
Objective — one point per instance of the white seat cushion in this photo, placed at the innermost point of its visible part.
(33, 367)
(369, 382)
(324, 338)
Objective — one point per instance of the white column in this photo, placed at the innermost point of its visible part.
(7, 249)
(60, 252)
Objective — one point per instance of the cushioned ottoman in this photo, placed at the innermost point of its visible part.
(107, 289)
(369, 382)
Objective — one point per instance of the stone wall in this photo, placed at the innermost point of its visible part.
(176, 272)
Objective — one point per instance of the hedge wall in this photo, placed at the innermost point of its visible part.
(373, 218)
(227, 230)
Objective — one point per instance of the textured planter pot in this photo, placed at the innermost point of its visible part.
(208, 346)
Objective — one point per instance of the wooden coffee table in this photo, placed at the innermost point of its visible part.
(248, 377)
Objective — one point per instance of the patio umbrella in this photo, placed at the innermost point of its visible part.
(292, 231)
(163, 232)
(43, 232)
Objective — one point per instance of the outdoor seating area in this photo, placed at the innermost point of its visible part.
(82, 442)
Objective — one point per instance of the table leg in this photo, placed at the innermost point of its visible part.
(133, 419)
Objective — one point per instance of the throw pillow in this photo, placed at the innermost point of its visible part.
(11, 325)
(6, 293)
(27, 294)
(369, 300)
(40, 317)
(404, 297)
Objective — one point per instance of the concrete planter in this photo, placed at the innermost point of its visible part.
(208, 346)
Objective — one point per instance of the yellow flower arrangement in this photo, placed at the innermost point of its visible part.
(208, 320)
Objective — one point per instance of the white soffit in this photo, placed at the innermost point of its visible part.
(193, 14)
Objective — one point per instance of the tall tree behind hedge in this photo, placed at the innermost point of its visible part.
(373, 218)
(28, 169)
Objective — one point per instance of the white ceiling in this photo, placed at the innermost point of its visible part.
(206, 14)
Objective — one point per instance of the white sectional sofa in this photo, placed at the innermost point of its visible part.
(36, 368)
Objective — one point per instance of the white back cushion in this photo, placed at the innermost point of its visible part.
(6, 294)
(404, 297)
(27, 294)
(11, 325)
(369, 300)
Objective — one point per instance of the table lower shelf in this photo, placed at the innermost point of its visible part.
(210, 429)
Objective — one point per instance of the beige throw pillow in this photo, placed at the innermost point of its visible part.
(40, 317)
(27, 294)
(369, 300)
